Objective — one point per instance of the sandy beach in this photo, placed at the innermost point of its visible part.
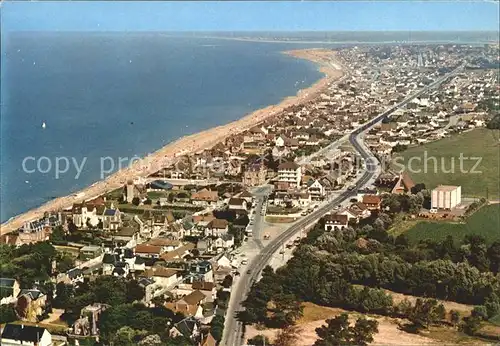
(193, 143)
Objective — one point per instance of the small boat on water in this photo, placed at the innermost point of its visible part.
(44, 125)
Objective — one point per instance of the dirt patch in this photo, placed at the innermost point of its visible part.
(448, 305)
(315, 316)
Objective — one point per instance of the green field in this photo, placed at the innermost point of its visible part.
(482, 143)
(485, 222)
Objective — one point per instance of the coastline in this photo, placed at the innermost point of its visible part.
(325, 60)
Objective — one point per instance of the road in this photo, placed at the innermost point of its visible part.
(258, 219)
(233, 328)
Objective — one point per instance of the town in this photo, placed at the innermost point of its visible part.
(158, 261)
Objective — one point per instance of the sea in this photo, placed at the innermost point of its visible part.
(72, 103)
(76, 106)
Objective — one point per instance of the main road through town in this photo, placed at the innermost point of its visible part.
(233, 328)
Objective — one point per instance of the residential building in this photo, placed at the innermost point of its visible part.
(111, 219)
(202, 271)
(255, 175)
(404, 184)
(163, 277)
(217, 228)
(71, 277)
(127, 236)
(289, 173)
(35, 301)
(90, 251)
(19, 334)
(188, 327)
(149, 288)
(316, 190)
(209, 289)
(372, 202)
(335, 222)
(148, 251)
(10, 289)
(237, 204)
(204, 197)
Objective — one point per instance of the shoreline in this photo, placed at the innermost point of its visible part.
(326, 63)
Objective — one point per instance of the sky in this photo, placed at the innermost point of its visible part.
(403, 15)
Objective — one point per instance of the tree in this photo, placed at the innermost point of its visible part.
(492, 305)
(7, 313)
(338, 331)
(227, 282)
(126, 336)
(425, 312)
(136, 201)
(494, 256)
(454, 317)
(417, 188)
(480, 312)
(64, 294)
(217, 327)
(494, 123)
(470, 325)
(64, 262)
(135, 292)
(259, 340)
(287, 336)
(72, 227)
(287, 309)
(57, 234)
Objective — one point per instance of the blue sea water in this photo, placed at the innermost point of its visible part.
(120, 95)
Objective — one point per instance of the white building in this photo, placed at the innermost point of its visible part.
(446, 197)
(290, 172)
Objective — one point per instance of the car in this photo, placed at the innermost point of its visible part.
(244, 262)
(236, 273)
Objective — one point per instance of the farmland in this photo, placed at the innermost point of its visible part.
(439, 163)
(484, 223)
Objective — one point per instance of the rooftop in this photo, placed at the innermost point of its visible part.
(446, 188)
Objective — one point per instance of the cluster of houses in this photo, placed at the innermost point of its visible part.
(181, 261)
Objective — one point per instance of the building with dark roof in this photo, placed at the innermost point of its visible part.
(188, 327)
(18, 334)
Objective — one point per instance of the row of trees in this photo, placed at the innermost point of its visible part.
(348, 268)
(373, 233)
(128, 324)
(109, 290)
(28, 263)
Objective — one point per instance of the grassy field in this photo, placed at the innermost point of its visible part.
(482, 143)
(485, 222)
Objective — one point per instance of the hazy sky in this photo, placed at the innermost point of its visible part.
(253, 16)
